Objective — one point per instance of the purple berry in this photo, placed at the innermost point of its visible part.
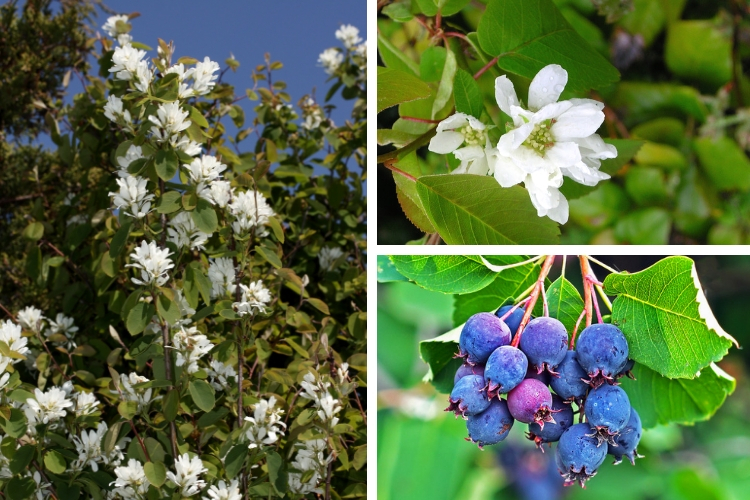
(482, 334)
(602, 352)
(627, 370)
(491, 426)
(543, 377)
(545, 342)
(607, 409)
(468, 396)
(578, 455)
(531, 402)
(514, 320)
(552, 431)
(467, 369)
(569, 383)
(505, 369)
(628, 439)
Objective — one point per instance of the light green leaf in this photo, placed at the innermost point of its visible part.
(395, 58)
(438, 353)
(445, 88)
(127, 409)
(17, 424)
(169, 202)
(156, 473)
(474, 210)
(203, 394)
(55, 462)
(700, 51)
(642, 101)
(660, 400)
(724, 162)
(138, 317)
(666, 319)
(647, 226)
(204, 216)
(466, 94)
(34, 231)
(270, 256)
(167, 310)
(445, 273)
(387, 272)
(564, 301)
(395, 87)
(527, 35)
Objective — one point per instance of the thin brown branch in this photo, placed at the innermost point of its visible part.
(484, 68)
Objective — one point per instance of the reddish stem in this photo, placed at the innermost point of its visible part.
(512, 309)
(456, 35)
(596, 303)
(585, 272)
(484, 69)
(575, 330)
(389, 165)
(419, 120)
(538, 289)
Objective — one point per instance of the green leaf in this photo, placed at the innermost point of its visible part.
(393, 57)
(234, 460)
(202, 394)
(666, 319)
(127, 409)
(202, 283)
(20, 488)
(387, 271)
(509, 283)
(445, 273)
(15, 426)
(700, 51)
(660, 400)
(406, 192)
(166, 164)
(167, 309)
(120, 239)
(564, 301)
(399, 12)
(55, 462)
(724, 162)
(156, 473)
(661, 155)
(169, 202)
(446, 7)
(269, 256)
(648, 226)
(445, 87)
(642, 101)
(527, 35)
(204, 216)
(34, 231)
(319, 305)
(466, 94)
(22, 458)
(601, 207)
(196, 117)
(395, 87)
(646, 185)
(277, 472)
(474, 210)
(138, 317)
(438, 354)
(626, 151)
(171, 405)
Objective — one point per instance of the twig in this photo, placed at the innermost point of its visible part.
(736, 60)
(484, 69)
(389, 165)
(585, 271)
(433, 239)
(538, 286)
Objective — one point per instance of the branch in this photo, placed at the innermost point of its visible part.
(538, 289)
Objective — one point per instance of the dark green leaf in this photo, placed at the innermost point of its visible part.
(647, 226)
(120, 239)
(171, 405)
(202, 394)
(15, 426)
(20, 488)
(204, 216)
(234, 460)
(23, 457)
(138, 317)
(167, 309)
(445, 273)
(269, 256)
(277, 472)
(166, 164)
(466, 94)
(393, 57)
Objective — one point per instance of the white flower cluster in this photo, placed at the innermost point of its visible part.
(224, 491)
(47, 407)
(203, 77)
(154, 263)
(544, 143)
(31, 318)
(133, 153)
(254, 298)
(316, 390)
(127, 391)
(310, 458)
(182, 231)
(219, 374)
(250, 210)
(115, 112)
(312, 114)
(131, 482)
(330, 59)
(90, 450)
(205, 174)
(265, 426)
(222, 275)
(187, 475)
(115, 31)
(128, 64)
(191, 345)
(133, 196)
(11, 335)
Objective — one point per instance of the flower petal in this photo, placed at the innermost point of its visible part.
(564, 154)
(560, 213)
(453, 122)
(506, 172)
(547, 86)
(578, 121)
(505, 94)
(469, 153)
(594, 147)
(446, 142)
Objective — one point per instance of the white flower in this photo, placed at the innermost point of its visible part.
(254, 298)
(183, 232)
(183, 91)
(130, 393)
(133, 196)
(222, 275)
(187, 474)
(31, 319)
(224, 491)
(250, 209)
(187, 146)
(114, 111)
(154, 262)
(63, 325)
(465, 137)
(349, 35)
(316, 390)
(204, 77)
(125, 60)
(328, 408)
(11, 335)
(46, 407)
(169, 121)
(133, 153)
(41, 486)
(191, 345)
(110, 27)
(77, 219)
(144, 75)
(549, 140)
(89, 448)
(310, 457)
(204, 171)
(220, 374)
(328, 256)
(266, 426)
(218, 193)
(86, 404)
(331, 59)
(343, 372)
(131, 482)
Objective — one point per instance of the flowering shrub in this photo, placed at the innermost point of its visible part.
(198, 325)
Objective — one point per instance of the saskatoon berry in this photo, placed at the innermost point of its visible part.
(514, 320)
(627, 370)
(505, 369)
(482, 334)
(468, 397)
(467, 369)
(627, 440)
(569, 383)
(491, 426)
(545, 342)
(553, 430)
(543, 377)
(607, 409)
(531, 402)
(602, 352)
(578, 455)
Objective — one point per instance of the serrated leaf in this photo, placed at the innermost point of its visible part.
(396, 87)
(445, 273)
(387, 272)
(666, 319)
(660, 400)
(527, 35)
(564, 302)
(204, 216)
(202, 394)
(156, 473)
(466, 94)
(474, 210)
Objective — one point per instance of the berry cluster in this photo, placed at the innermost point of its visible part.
(524, 370)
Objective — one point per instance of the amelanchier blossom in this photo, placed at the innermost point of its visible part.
(182, 231)
(169, 121)
(115, 112)
(204, 76)
(204, 172)
(331, 59)
(125, 61)
(348, 35)
(86, 404)
(310, 458)
(131, 482)
(47, 407)
(133, 153)
(222, 275)
(219, 374)
(250, 209)
(111, 28)
(130, 393)
(467, 138)
(31, 319)
(265, 426)
(191, 345)
(224, 491)
(218, 193)
(133, 197)
(63, 325)
(253, 299)
(328, 256)
(187, 475)
(154, 263)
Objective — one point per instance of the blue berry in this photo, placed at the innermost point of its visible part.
(482, 334)
(468, 396)
(551, 432)
(491, 426)
(514, 320)
(543, 377)
(545, 342)
(602, 352)
(627, 440)
(530, 401)
(627, 370)
(467, 369)
(578, 455)
(505, 369)
(569, 383)
(607, 409)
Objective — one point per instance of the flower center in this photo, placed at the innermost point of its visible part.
(540, 139)
(472, 137)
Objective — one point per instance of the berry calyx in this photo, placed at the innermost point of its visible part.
(602, 352)
(607, 410)
(578, 455)
(505, 369)
(552, 431)
(531, 402)
(627, 440)
(468, 397)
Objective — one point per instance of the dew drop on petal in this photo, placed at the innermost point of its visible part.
(558, 88)
(544, 89)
